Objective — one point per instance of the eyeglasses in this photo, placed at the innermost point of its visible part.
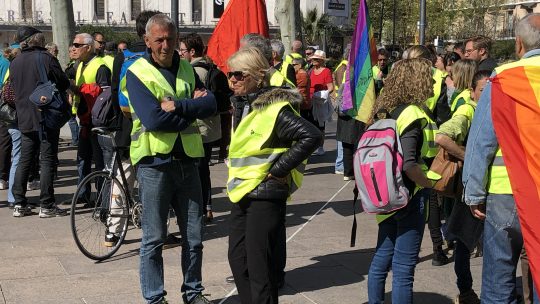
(183, 50)
(309, 54)
(238, 75)
(79, 45)
(100, 42)
(469, 51)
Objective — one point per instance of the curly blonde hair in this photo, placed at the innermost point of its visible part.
(410, 82)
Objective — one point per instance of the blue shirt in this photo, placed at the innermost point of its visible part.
(4, 66)
(482, 146)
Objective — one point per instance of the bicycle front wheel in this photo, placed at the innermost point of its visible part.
(99, 208)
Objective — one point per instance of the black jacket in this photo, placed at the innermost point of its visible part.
(290, 131)
(24, 76)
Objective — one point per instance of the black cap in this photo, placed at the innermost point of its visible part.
(25, 32)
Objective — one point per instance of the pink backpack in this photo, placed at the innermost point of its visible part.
(378, 163)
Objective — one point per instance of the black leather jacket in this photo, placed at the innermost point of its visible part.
(290, 131)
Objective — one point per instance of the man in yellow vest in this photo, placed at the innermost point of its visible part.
(381, 69)
(285, 68)
(488, 191)
(92, 75)
(166, 97)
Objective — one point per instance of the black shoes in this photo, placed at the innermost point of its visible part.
(439, 257)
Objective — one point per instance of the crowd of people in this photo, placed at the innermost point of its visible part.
(170, 106)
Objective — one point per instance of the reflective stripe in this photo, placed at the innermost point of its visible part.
(233, 183)
(253, 160)
(498, 161)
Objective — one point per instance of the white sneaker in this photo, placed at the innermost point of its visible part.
(348, 178)
(19, 211)
(33, 185)
(319, 151)
(3, 185)
(338, 172)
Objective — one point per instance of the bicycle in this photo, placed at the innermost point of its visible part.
(106, 204)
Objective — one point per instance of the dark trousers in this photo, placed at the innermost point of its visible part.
(33, 143)
(5, 152)
(434, 220)
(88, 150)
(462, 267)
(348, 153)
(204, 175)
(226, 125)
(255, 228)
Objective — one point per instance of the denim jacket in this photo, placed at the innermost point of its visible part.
(481, 147)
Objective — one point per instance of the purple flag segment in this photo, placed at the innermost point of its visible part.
(359, 88)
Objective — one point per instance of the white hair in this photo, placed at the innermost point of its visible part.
(278, 47)
(528, 32)
(161, 20)
(87, 38)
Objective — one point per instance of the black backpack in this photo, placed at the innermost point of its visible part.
(217, 83)
(103, 111)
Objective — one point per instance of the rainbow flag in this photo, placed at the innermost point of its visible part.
(515, 109)
(359, 88)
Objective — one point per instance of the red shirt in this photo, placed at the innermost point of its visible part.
(319, 82)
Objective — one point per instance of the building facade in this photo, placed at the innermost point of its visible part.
(193, 15)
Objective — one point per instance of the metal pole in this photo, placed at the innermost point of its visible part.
(422, 22)
(174, 12)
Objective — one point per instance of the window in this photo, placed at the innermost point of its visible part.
(196, 11)
(26, 10)
(135, 8)
(99, 8)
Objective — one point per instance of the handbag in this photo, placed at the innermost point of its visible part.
(8, 113)
(55, 110)
(449, 169)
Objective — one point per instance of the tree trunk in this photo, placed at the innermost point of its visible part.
(285, 14)
(63, 27)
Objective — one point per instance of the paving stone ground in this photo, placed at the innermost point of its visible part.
(39, 262)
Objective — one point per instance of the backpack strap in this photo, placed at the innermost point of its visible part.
(354, 225)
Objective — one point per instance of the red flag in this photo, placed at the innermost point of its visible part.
(240, 17)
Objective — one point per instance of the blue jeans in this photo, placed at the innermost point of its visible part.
(398, 245)
(15, 156)
(339, 157)
(502, 248)
(175, 184)
(74, 127)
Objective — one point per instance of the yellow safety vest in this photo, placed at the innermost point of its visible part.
(87, 76)
(466, 110)
(6, 76)
(109, 60)
(249, 160)
(283, 71)
(277, 80)
(375, 69)
(289, 58)
(465, 95)
(342, 63)
(150, 143)
(498, 180)
(439, 77)
(411, 114)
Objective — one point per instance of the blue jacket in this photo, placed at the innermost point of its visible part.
(481, 147)
(4, 66)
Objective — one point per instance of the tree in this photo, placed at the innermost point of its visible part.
(63, 26)
(286, 12)
(317, 27)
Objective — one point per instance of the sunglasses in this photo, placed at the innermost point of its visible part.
(100, 42)
(79, 45)
(309, 54)
(238, 75)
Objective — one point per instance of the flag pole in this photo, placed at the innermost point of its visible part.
(174, 12)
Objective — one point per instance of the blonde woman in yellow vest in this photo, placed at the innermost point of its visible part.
(461, 224)
(268, 152)
(166, 97)
(400, 233)
(462, 75)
